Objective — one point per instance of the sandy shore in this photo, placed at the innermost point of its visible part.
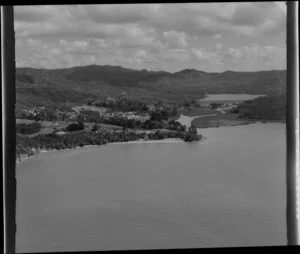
(187, 120)
(141, 141)
(166, 140)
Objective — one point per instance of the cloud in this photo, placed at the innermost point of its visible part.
(255, 57)
(177, 35)
(217, 36)
(248, 16)
(175, 39)
(119, 14)
(219, 46)
(30, 14)
(204, 55)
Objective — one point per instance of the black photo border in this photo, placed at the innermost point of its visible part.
(8, 70)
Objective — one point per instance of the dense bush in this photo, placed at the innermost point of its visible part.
(25, 78)
(31, 145)
(75, 126)
(266, 108)
(27, 129)
(123, 105)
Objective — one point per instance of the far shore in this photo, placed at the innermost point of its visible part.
(187, 120)
(213, 123)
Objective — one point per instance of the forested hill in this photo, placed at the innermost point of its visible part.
(76, 85)
(266, 108)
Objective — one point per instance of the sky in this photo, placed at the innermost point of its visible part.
(212, 37)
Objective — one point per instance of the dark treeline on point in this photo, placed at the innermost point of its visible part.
(266, 108)
(121, 105)
(75, 126)
(28, 146)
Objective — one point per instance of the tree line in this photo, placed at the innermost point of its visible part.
(27, 129)
(265, 108)
(30, 145)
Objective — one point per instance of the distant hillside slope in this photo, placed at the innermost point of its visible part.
(78, 84)
(267, 108)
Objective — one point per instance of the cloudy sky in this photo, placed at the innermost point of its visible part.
(212, 37)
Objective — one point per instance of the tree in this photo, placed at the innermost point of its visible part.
(95, 127)
(174, 111)
(193, 130)
(75, 126)
(215, 105)
(187, 103)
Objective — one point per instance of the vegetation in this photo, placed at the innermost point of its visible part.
(158, 119)
(28, 146)
(50, 95)
(27, 129)
(215, 105)
(25, 78)
(78, 85)
(75, 126)
(264, 108)
(122, 105)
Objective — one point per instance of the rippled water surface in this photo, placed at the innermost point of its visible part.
(230, 97)
(228, 190)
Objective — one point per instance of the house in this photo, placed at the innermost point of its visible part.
(205, 104)
(60, 133)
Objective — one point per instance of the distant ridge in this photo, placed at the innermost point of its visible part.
(145, 70)
(49, 86)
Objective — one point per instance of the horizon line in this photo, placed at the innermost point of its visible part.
(143, 69)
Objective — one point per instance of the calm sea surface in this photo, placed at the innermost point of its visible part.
(230, 97)
(228, 190)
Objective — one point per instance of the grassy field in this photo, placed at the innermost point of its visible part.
(194, 112)
(93, 108)
(198, 112)
(220, 119)
(50, 126)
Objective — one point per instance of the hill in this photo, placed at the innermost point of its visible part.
(77, 85)
(266, 108)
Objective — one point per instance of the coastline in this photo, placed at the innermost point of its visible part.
(141, 141)
(24, 157)
(188, 120)
(240, 124)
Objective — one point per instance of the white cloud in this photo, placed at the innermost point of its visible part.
(175, 39)
(256, 57)
(217, 36)
(202, 54)
(219, 46)
(177, 35)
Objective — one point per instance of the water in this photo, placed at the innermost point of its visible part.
(230, 97)
(228, 190)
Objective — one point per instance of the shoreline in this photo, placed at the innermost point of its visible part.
(241, 124)
(141, 141)
(187, 121)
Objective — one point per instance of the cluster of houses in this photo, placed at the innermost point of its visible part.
(223, 107)
(72, 115)
(60, 115)
(129, 115)
(33, 111)
(210, 104)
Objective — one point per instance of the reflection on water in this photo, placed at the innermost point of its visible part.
(230, 97)
(228, 190)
